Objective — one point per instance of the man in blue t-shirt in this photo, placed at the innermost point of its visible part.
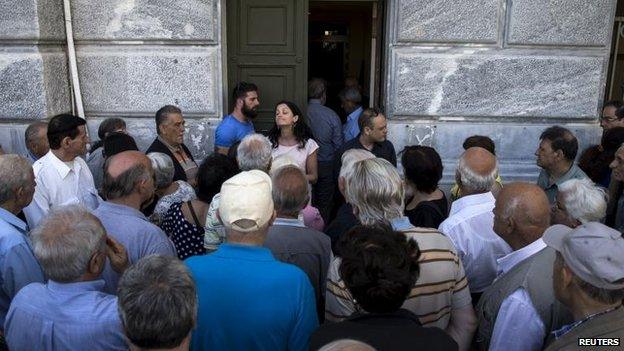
(248, 300)
(238, 124)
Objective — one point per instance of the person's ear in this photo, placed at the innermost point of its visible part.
(567, 277)
(559, 154)
(342, 184)
(295, 118)
(96, 263)
(65, 142)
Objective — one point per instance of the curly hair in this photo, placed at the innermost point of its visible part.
(301, 130)
(379, 267)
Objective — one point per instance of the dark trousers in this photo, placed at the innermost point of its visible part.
(323, 190)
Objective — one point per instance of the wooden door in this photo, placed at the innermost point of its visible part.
(267, 44)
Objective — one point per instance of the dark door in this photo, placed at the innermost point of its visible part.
(266, 45)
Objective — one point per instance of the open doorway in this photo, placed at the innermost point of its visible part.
(343, 43)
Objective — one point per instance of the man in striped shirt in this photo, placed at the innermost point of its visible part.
(440, 297)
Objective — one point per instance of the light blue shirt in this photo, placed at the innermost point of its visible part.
(18, 266)
(231, 131)
(351, 129)
(135, 232)
(56, 316)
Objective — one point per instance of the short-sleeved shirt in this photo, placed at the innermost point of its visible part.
(552, 188)
(135, 232)
(440, 288)
(326, 128)
(299, 155)
(187, 237)
(351, 128)
(231, 131)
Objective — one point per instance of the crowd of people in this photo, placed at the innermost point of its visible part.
(307, 238)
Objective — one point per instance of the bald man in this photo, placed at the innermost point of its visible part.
(518, 311)
(128, 186)
(470, 221)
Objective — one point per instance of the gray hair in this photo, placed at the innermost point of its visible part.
(349, 159)
(316, 88)
(583, 200)
(347, 345)
(351, 94)
(157, 302)
(254, 152)
(376, 190)
(14, 174)
(65, 240)
(30, 134)
(125, 183)
(290, 190)
(163, 169)
(473, 181)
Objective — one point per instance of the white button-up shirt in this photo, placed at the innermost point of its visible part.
(469, 226)
(518, 325)
(60, 183)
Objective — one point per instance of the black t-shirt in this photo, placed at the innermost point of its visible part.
(400, 330)
(428, 214)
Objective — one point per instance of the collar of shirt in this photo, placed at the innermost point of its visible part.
(314, 102)
(570, 174)
(293, 222)
(355, 114)
(13, 220)
(245, 252)
(401, 223)
(471, 200)
(60, 166)
(31, 156)
(173, 149)
(121, 210)
(509, 261)
(566, 328)
(74, 288)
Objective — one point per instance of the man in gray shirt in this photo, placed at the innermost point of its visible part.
(128, 186)
(327, 131)
(555, 155)
(288, 238)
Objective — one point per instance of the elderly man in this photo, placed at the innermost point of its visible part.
(516, 311)
(555, 155)
(345, 219)
(69, 312)
(170, 127)
(290, 240)
(469, 225)
(238, 124)
(62, 176)
(166, 322)
(351, 103)
(128, 186)
(589, 280)
(440, 298)
(578, 201)
(36, 138)
(326, 128)
(18, 266)
(610, 118)
(274, 299)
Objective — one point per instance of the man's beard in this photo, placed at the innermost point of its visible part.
(250, 113)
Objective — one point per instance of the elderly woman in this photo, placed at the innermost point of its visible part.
(168, 191)
(423, 170)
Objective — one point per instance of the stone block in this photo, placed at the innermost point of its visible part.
(12, 138)
(145, 19)
(143, 79)
(33, 83)
(564, 22)
(474, 21)
(515, 143)
(469, 83)
(32, 19)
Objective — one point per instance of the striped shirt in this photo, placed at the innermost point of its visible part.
(441, 284)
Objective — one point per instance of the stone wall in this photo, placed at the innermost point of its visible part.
(502, 68)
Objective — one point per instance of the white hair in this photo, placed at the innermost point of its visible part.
(473, 181)
(14, 174)
(254, 152)
(349, 159)
(280, 162)
(347, 345)
(583, 200)
(163, 169)
(376, 190)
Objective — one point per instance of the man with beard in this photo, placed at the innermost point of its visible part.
(238, 124)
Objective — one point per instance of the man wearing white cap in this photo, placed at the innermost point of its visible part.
(247, 299)
(588, 278)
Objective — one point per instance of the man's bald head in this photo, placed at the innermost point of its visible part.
(477, 171)
(123, 172)
(522, 214)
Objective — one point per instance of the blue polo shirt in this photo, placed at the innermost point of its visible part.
(231, 130)
(250, 301)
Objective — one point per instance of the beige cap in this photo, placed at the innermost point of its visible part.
(593, 251)
(246, 196)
